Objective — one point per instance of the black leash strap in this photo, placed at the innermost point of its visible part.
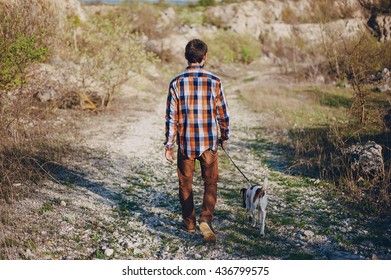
(235, 164)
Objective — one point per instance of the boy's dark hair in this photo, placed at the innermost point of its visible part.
(195, 51)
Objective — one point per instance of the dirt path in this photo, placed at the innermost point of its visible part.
(119, 199)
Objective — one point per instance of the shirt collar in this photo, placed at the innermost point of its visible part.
(194, 67)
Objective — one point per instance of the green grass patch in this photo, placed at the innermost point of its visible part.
(300, 256)
(336, 101)
(46, 207)
(226, 46)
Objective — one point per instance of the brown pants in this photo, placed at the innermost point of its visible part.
(210, 174)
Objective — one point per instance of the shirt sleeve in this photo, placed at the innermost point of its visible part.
(171, 116)
(222, 113)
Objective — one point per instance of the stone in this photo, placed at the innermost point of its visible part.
(28, 253)
(309, 234)
(365, 161)
(386, 73)
(343, 230)
(300, 235)
(384, 88)
(109, 252)
(63, 203)
(137, 251)
(197, 256)
(381, 26)
(46, 94)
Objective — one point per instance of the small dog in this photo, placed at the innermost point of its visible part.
(255, 202)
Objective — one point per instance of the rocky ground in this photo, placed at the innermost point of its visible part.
(118, 198)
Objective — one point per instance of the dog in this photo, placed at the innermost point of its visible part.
(255, 202)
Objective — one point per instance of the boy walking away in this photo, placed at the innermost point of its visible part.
(197, 115)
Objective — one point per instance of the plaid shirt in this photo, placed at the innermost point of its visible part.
(195, 102)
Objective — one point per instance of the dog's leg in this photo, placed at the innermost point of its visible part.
(254, 218)
(248, 215)
(262, 218)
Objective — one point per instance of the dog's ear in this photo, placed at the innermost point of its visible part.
(259, 193)
(243, 192)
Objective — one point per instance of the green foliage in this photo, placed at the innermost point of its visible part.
(205, 3)
(46, 207)
(231, 47)
(192, 17)
(15, 56)
(110, 51)
(336, 101)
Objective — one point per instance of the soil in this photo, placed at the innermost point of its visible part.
(117, 199)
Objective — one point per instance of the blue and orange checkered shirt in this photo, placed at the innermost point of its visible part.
(196, 107)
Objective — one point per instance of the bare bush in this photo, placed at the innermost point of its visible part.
(109, 53)
(356, 60)
(40, 18)
(26, 32)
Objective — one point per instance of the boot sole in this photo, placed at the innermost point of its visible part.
(209, 235)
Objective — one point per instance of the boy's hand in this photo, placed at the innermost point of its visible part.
(223, 143)
(170, 155)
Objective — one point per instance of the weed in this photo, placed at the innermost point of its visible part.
(56, 201)
(99, 254)
(76, 238)
(46, 207)
(230, 47)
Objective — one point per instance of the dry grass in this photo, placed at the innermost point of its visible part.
(41, 18)
(320, 11)
(26, 142)
(320, 127)
(300, 106)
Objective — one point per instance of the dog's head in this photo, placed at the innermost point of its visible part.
(244, 192)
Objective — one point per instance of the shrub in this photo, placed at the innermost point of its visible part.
(192, 17)
(231, 47)
(26, 34)
(141, 18)
(357, 59)
(109, 52)
(205, 3)
(39, 18)
(15, 56)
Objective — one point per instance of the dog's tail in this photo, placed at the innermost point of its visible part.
(265, 184)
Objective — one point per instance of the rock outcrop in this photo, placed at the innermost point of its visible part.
(365, 161)
(269, 22)
(381, 25)
(380, 18)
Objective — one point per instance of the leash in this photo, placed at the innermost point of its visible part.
(235, 165)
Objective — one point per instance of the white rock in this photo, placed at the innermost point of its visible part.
(197, 256)
(109, 252)
(137, 251)
(343, 230)
(384, 88)
(63, 203)
(29, 253)
(308, 234)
